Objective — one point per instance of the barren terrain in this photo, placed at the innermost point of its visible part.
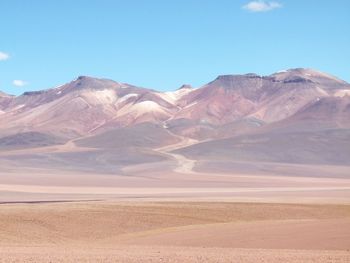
(135, 231)
(246, 168)
(172, 209)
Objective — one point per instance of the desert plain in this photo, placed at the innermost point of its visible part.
(46, 216)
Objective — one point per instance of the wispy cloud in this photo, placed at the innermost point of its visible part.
(261, 6)
(4, 56)
(19, 83)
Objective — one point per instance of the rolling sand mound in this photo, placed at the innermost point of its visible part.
(174, 232)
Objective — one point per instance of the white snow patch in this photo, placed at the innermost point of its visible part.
(282, 71)
(192, 104)
(148, 105)
(141, 108)
(105, 96)
(59, 86)
(322, 91)
(168, 96)
(342, 93)
(18, 107)
(128, 96)
(173, 96)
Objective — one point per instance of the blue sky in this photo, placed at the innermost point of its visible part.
(162, 44)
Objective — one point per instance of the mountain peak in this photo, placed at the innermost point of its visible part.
(308, 75)
(237, 76)
(87, 82)
(3, 94)
(82, 77)
(226, 77)
(85, 78)
(185, 86)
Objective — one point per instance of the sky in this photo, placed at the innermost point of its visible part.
(163, 44)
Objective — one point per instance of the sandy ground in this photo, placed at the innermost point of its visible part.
(174, 212)
(169, 254)
(140, 231)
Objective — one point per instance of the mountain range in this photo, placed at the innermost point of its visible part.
(296, 116)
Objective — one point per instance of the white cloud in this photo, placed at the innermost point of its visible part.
(19, 83)
(4, 56)
(261, 6)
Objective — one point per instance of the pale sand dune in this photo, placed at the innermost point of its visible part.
(174, 232)
(274, 234)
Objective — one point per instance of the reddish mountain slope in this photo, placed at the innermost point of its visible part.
(82, 107)
(288, 116)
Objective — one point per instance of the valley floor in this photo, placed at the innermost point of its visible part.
(158, 231)
(177, 210)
